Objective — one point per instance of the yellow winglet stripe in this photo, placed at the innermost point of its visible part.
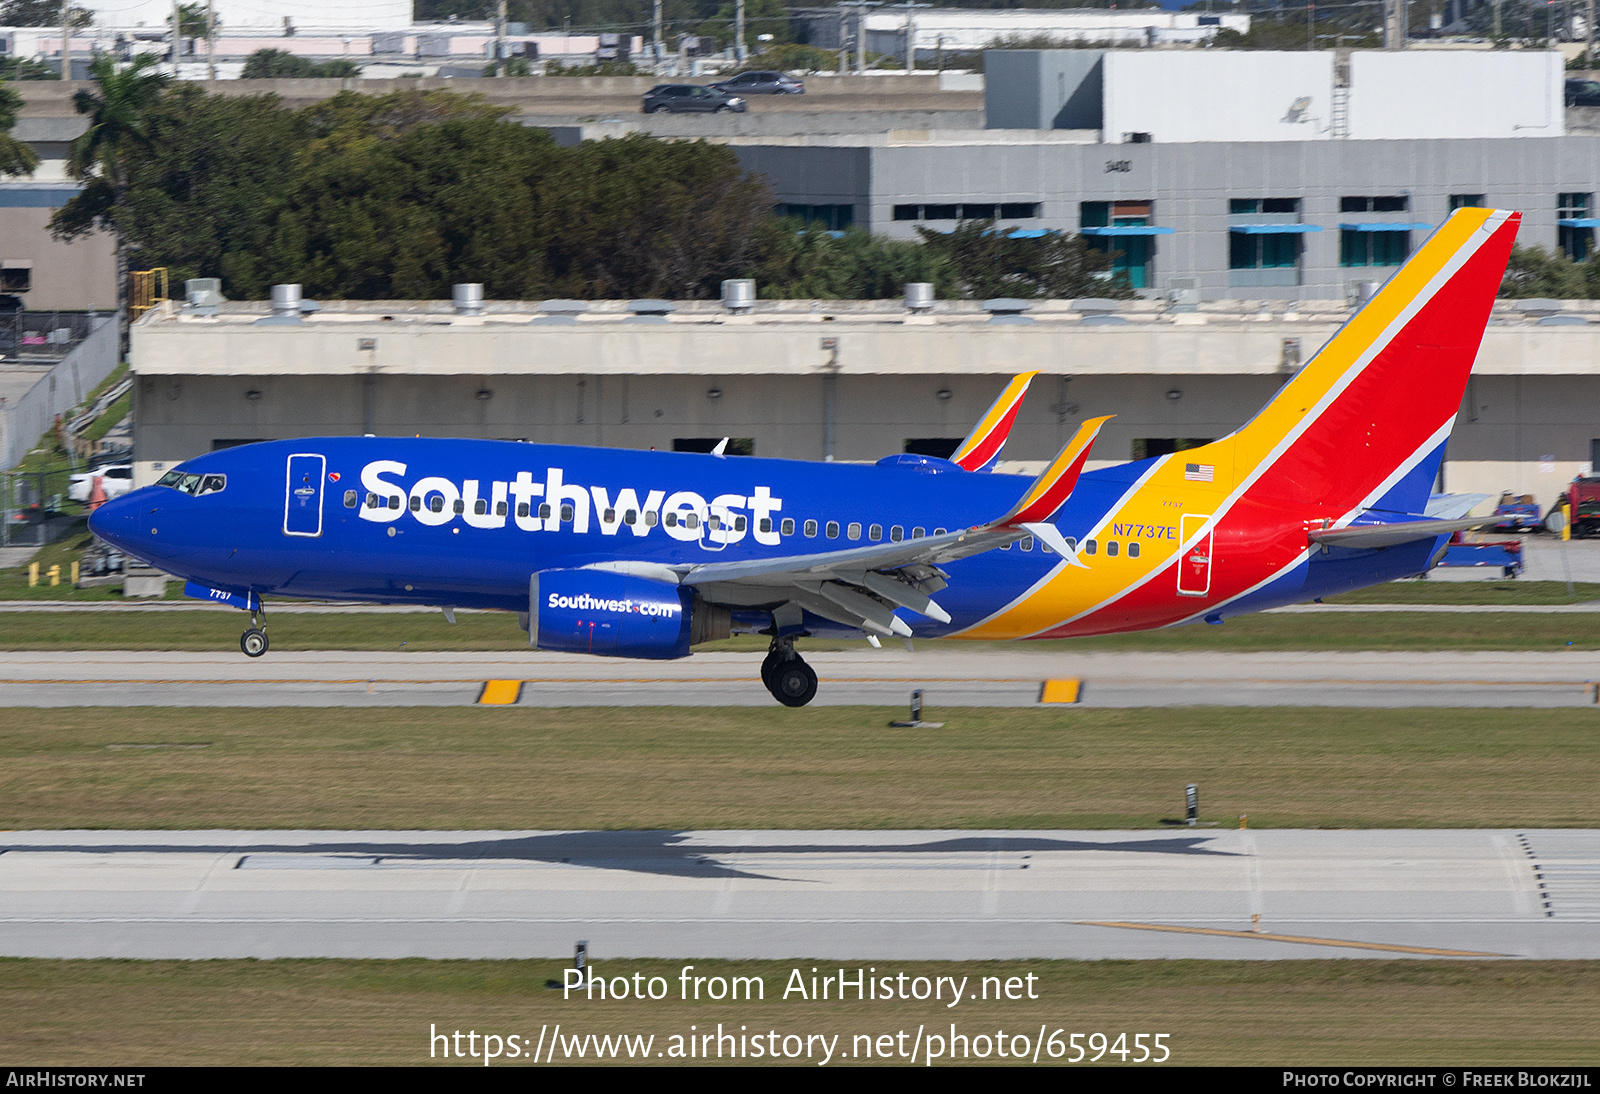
(1060, 477)
(995, 415)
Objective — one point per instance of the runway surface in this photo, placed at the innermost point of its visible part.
(949, 676)
(837, 895)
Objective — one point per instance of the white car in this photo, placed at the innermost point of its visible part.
(117, 478)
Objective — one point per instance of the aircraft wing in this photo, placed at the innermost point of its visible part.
(1390, 535)
(862, 586)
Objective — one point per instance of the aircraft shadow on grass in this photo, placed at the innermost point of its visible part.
(666, 852)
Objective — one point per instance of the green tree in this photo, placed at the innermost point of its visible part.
(118, 112)
(192, 21)
(41, 13)
(16, 158)
(989, 264)
(1534, 273)
(277, 64)
(800, 262)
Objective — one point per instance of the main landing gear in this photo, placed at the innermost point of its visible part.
(254, 641)
(790, 680)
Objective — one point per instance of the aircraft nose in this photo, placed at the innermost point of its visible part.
(117, 521)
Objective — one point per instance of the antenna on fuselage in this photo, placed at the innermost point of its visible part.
(722, 448)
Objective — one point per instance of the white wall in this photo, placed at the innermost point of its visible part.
(237, 15)
(1217, 95)
(1455, 93)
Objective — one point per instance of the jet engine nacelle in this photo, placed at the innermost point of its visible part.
(613, 614)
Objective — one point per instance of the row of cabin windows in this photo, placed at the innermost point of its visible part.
(672, 519)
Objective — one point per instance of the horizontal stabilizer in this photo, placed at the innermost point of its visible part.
(1365, 536)
(982, 446)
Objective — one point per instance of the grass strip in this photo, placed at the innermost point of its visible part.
(1364, 1012)
(817, 767)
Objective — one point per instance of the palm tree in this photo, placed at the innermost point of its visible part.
(16, 158)
(118, 120)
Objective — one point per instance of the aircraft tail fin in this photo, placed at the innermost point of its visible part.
(981, 449)
(1364, 423)
(1051, 489)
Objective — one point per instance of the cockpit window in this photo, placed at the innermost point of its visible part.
(190, 483)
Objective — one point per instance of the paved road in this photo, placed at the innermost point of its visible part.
(948, 675)
(844, 895)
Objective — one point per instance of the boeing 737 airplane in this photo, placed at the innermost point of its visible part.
(646, 554)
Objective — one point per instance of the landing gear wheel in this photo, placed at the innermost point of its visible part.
(771, 662)
(253, 642)
(793, 682)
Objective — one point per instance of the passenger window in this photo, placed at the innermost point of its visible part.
(875, 532)
(459, 507)
(714, 522)
(938, 531)
(394, 501)
(1111, 548)
(436, 503)
(480, 507)
(1027, 543)
(650, 518)
(1089, 547)
(1133, 550)
(522, 508)
(608, 517)
(918, 533)
(372, 501)
(416, 504)
(854, 531)
(1072, 544)
(672, 518)
(811, 529)
(544, 511)
(787, 527)
(740, 524)
(630, 517)
(566, 514)
(349, 499)
(500, 509)
(1005, 546)
(764, 524)
(896, 534)
(691, 520)
(832, 529)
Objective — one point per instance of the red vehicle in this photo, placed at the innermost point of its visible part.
(1583, 501)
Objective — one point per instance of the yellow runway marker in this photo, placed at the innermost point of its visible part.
(1060, 691)
(1304, 941)
(499, 693)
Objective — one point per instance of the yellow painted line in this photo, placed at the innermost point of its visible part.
(499, 693)
(1265, 937)
(1060, 691)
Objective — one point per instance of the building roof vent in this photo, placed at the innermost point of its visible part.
(919, 297)
(1007, 309)
(467, 298)
(650, 311)
(286, 306)
(739, 295)
(202, 295)
(1099, 312)
(559, 312)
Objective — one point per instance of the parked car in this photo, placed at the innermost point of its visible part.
(1517, 513)
(761, 83)
(116, 478)
(690, 99)
(1583, 93)
(1583, 498)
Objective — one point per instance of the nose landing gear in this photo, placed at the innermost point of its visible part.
(254, 641)
(786, 675)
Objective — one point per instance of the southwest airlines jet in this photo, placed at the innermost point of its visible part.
(645, 554)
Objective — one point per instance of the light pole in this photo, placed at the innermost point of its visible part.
(861, 7)
(911, 33)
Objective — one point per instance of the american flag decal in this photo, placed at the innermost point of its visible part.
(1198, 472)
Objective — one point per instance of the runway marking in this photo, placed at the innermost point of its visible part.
(500, 692)
(1303, 940)
(1060, 691)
